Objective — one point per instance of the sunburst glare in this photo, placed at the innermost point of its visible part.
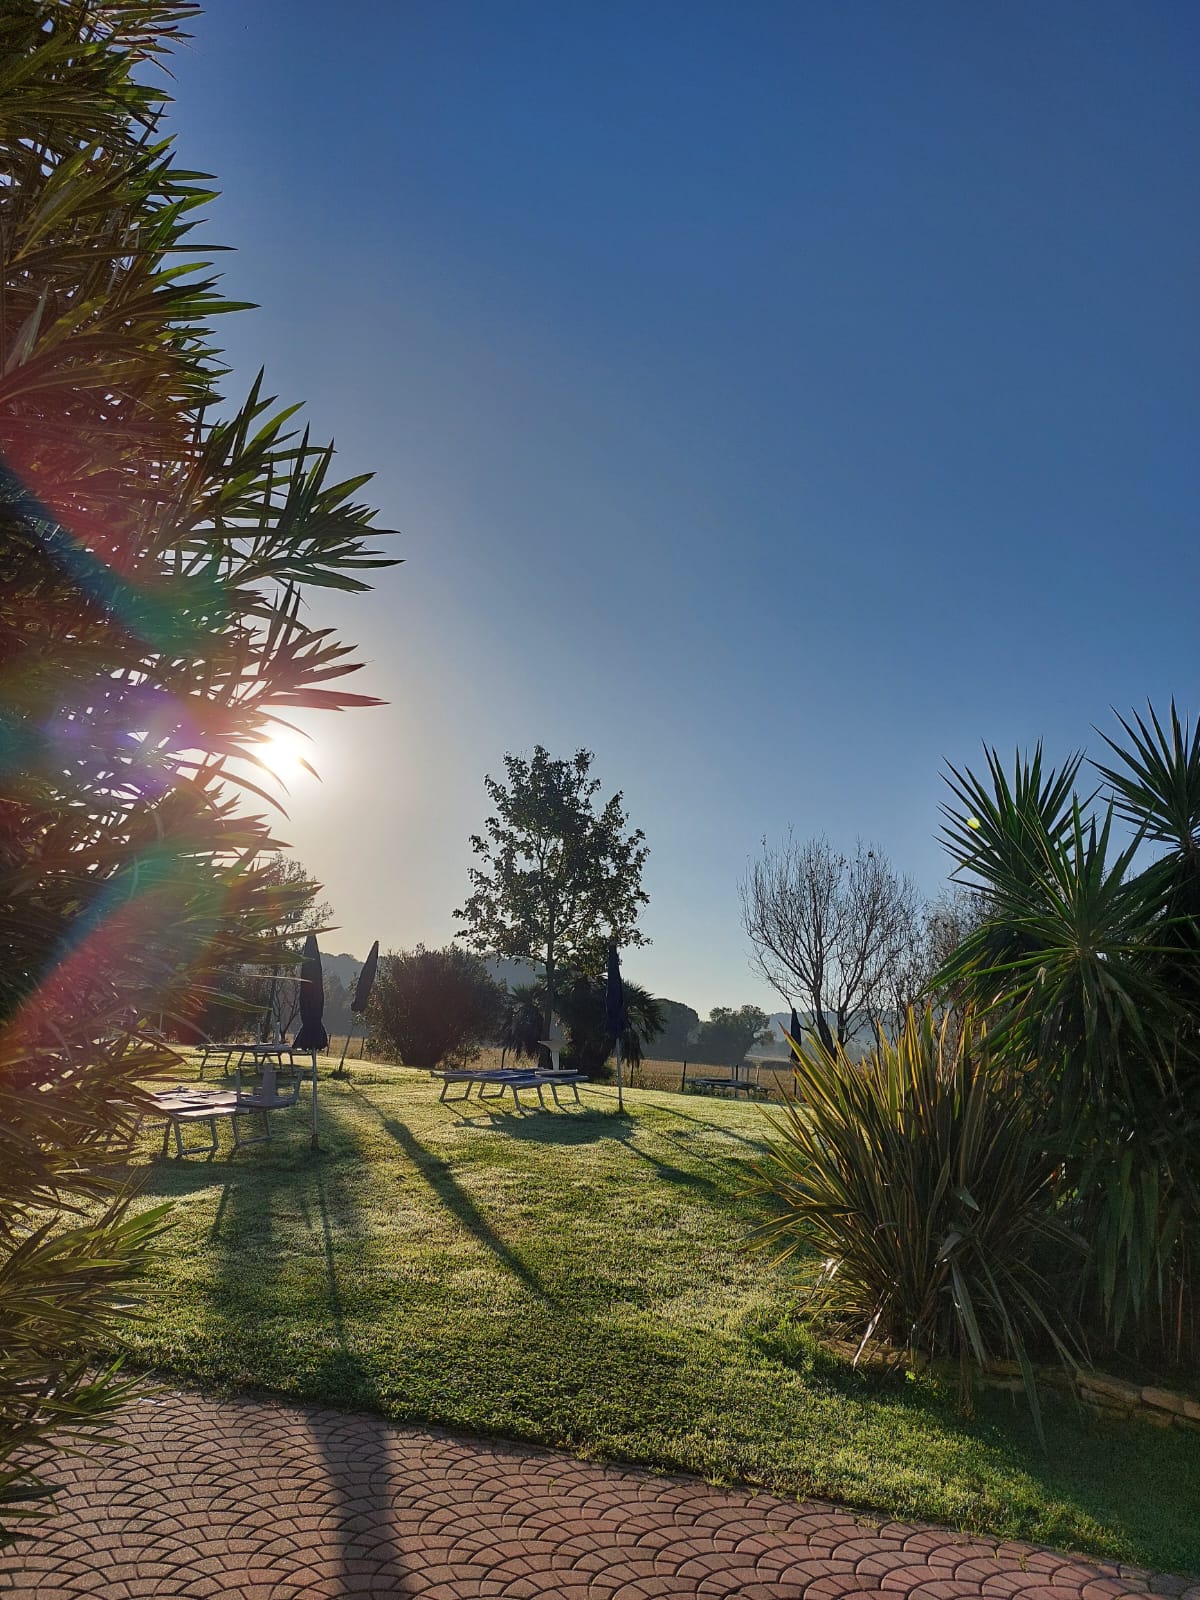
(288, 755)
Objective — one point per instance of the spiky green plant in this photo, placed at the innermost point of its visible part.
(153, 561)
(1089, 965)
(918, 1181)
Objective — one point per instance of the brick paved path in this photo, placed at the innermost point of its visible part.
(256, 1501)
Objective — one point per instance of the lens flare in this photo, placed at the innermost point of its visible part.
(287, 755)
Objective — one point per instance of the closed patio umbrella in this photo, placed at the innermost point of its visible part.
(366, 980)
(362, 998)
(312, 1035)
(794, 1029)
(362, 991)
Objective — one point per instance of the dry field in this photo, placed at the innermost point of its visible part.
(773, 1078)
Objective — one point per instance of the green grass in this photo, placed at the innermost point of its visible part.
(581, 1281)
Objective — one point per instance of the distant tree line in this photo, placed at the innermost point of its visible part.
(726, 1037)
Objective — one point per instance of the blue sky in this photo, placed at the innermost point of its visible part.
(777, 400)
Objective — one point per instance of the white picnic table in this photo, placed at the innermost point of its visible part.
(186, 1104)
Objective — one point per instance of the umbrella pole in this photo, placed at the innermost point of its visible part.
(341, 1071)
(315, 1142)
(620, 1082)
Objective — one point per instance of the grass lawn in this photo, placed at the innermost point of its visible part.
(581, 1281)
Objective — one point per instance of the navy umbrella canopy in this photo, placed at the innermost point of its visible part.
(358, 1006)
(614, 996)
(794, 1028)
(312, 1035)
(366, 979)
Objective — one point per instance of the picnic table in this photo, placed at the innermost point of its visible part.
(257, 1052)
(186, 1104)
(511, 1080)
(737, 1080)
(181, 1105)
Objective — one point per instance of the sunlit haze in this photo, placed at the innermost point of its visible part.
(777, 400)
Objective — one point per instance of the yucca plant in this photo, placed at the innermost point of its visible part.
(1088, 964)
(919, 1183)
(154, 556)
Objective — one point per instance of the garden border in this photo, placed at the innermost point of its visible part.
(1113, 1399)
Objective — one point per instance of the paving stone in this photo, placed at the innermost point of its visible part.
(256, 1500)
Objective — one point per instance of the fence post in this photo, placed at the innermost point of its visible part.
(683, 1080)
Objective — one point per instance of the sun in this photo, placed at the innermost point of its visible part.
(287, 754)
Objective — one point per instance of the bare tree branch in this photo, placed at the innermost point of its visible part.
(839, 933)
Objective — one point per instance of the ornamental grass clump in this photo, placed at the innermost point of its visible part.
(918, 1180)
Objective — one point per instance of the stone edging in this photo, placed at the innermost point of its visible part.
(1114, 1399)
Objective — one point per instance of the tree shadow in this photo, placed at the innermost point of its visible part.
(288, 1181)
(758, 1145)
(356, 1453)
(439, 1175)
(591, 1128)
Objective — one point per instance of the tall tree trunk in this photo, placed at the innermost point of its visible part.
(544, 1058)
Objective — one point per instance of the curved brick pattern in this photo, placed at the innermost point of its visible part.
(248, 1500)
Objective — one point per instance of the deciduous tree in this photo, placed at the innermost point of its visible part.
(557, 875)
(254, 999)
(729, 1033)
(836, 931)
(681, 1029)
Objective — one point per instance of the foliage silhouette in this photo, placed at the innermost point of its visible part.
(155, 557)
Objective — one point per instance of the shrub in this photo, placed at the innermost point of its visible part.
(434, 1007)
(917, 1179)
(580, 1005)
(156, 552)
(1087, 964)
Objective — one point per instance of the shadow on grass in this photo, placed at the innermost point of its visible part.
(276, 1185)
(588, 1128)
(595, 1127)
(758, 1145)
(438, 1174)
(336, 1307)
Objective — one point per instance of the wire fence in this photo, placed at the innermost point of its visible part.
(765, 1080)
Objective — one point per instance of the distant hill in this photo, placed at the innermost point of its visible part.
(510, 973)
(345, 968)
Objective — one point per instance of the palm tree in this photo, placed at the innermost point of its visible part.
(521, 1030)
(581, 1003)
